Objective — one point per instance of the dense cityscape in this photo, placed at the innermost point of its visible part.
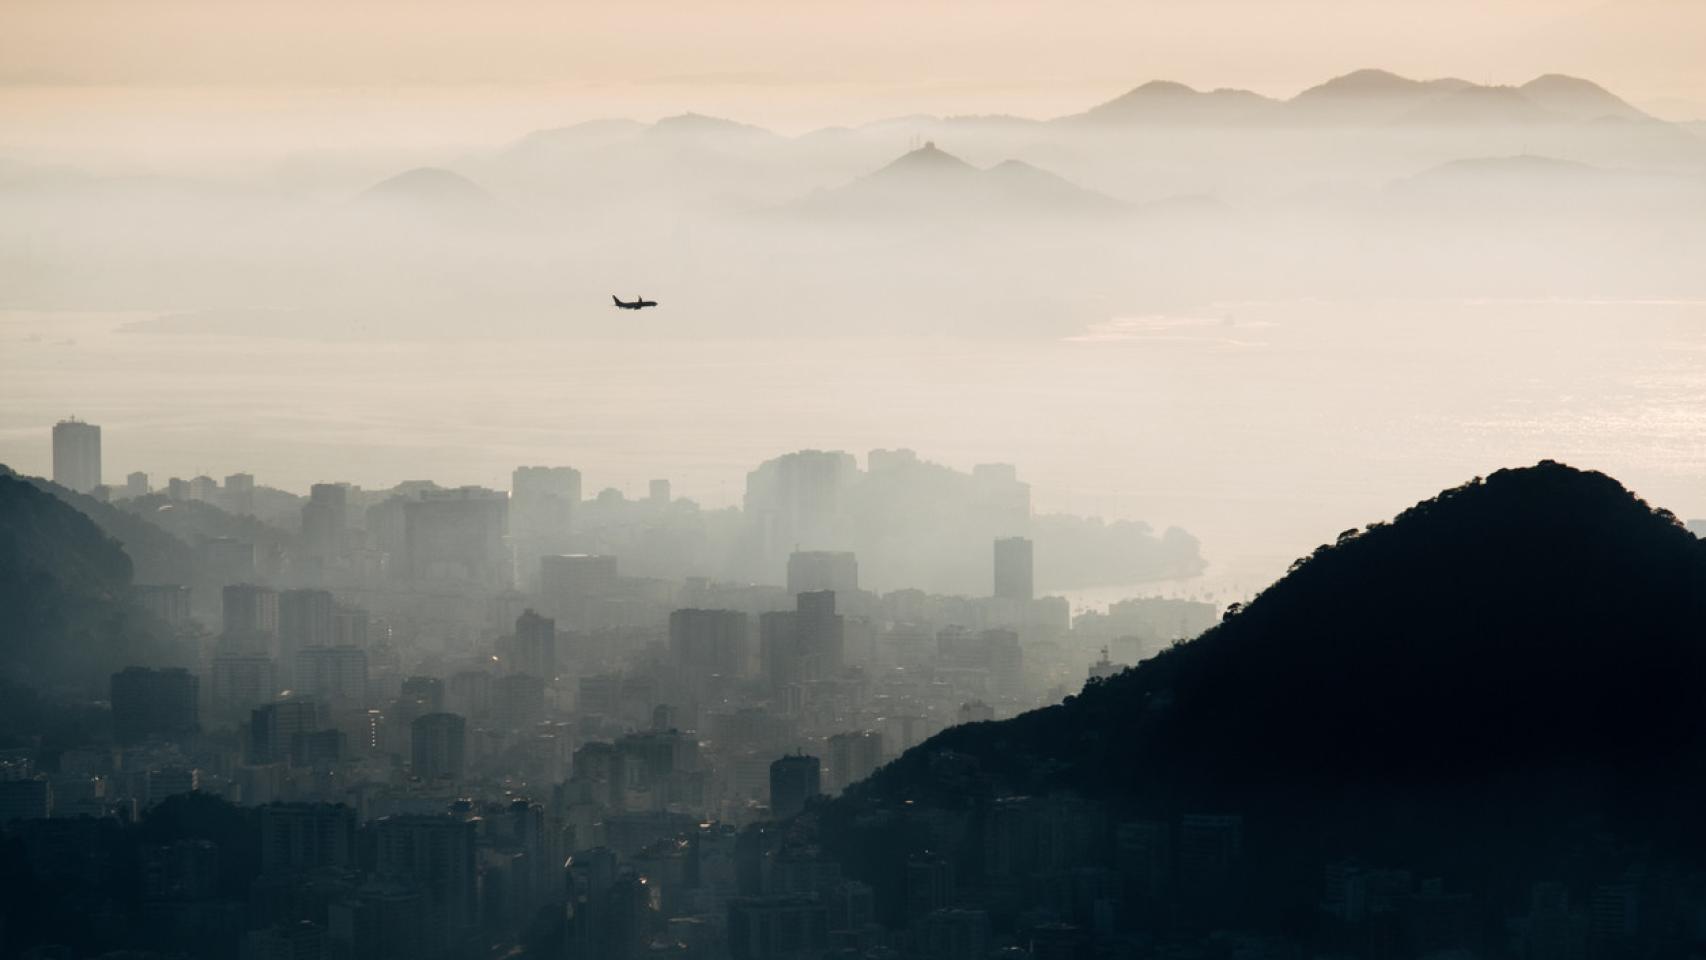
(923, 480)
(449, 718)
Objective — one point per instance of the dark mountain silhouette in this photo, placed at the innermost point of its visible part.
(65, 589)
(1502, 671)
(155, 555)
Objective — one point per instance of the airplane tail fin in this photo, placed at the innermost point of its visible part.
(615, 299)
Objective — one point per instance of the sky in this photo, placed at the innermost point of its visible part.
(135, 80)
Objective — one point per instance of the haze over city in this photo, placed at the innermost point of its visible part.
(896, 481)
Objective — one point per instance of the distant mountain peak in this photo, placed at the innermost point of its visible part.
(429, 184)
(699, 124)
(1579, 99)
(926, 159)
(1163, 88)
(1369, 82)
(1170, 102)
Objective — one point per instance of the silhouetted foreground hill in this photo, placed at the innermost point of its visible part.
(65, 593)
(157, 556)
(1472, 690)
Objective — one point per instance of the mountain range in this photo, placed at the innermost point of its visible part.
(1470, 691)
(1369, 97)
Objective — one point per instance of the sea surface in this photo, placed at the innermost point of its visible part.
(1263, 428)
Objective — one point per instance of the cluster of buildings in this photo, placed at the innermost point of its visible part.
(447, 711)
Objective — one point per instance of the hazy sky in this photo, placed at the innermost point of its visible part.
(136, 78)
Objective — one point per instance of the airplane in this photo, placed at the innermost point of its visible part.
(638, 304)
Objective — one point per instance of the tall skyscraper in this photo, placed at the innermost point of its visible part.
(542, 508)
(534, 649)
(703, 643)
(795, 501)
(136, 484)
(570, 583)
(803, 644)
(240, 493)
(249, 616)
(273, 727)
(455, 538)
(1013, 574)
(324, 518)
(296, 837)
(438, 746)
(241, 682)
(167, 601)
(337, 675)
(306, 619)
(154, 703)
(436, 855)
(794, 780)
(77, 455)
(813, 570)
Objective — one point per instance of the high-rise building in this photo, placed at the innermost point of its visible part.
(154, 703)
(455, 538)
(305, 620)
(705, 643)
(204, 488)
(815, 570)
(795, 501)
(336, 675)
(542, 508)
(169, 782)
(77, 455)
(240, 493)
(436, 855)
(421, 695)
(167, 602)
(30, 798)
(324, 518)
(302, 940)
(1000, 500)
(249, 616)
(241, 682)
(803, 644)
(384, 920)
(794, 780)
(273, 728)
(1013, 572)
(570, 584)
(306, 836)
(136, 484)
(350, 626)
(773, 927)
(853, 756)
(518, 700)
(437, 748)
(534, 649)
(469, 693)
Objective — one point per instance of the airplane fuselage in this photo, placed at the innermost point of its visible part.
(638, 303)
